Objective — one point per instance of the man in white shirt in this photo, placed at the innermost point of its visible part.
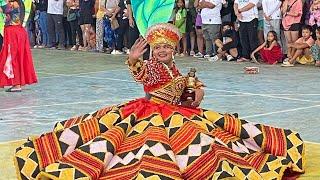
(247, 14)
(272, 16)
(211, 22)
(55, 26)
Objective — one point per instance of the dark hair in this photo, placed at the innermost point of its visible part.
(227, 24)
(318, 28)
(275, 38)
(177, 8)
(307, 27)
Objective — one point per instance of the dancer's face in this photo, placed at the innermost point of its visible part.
(163, 53)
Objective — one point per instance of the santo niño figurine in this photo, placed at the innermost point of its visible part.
(188, 95)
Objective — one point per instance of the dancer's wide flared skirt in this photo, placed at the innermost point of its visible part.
(16, 47)
(141, 139)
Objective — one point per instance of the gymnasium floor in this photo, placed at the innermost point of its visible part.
(73, 83)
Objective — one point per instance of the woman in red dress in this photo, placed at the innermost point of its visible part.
(156, 137)
(16, 65)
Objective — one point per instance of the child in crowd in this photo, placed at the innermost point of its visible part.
(180, 21)
(270, 50)
(227, 48)
(315, 49)
(300, 50)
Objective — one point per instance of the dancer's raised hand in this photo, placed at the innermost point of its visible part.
(137, 50)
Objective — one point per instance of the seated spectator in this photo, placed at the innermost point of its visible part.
(270, 50)
(227, 48)
(300, 50)
(315, 49)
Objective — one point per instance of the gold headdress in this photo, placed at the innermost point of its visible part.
(163, 33)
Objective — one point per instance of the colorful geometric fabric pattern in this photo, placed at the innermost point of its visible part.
(144, 140)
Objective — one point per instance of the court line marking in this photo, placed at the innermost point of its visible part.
(71, 103)
(277, 112)
(263, 95)
(89, 77)
(210, 89)
(93, 72)
(238, 92)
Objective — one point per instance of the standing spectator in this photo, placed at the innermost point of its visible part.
(260, 23)
(272, 16)
(55, 23)
(86, 8)
(42, 6)
(112, 10)
(133, 29)
(73, 20)
(100, 4)
(123, 25)
(247, 14)
(66, 26)
(291, 17)
(180, 21)
(190, 27)
(227, 10)
(199, 32)
(211, 22)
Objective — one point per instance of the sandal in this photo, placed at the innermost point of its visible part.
(14, 90)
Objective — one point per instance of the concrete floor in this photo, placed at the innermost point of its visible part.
(73, 83)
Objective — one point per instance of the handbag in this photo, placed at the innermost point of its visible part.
(114, 24)
(71, 16)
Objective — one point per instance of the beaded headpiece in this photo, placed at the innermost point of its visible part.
(163, 33)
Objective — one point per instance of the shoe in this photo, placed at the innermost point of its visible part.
(41, 46)
(61, 48)
(74, 48)
(182, 55)
(317, 64)
(198, 55)
(35, 47)
(14, 90)
(119, 52)
(214, 58)
(192, 53)
(53, 48)
(230, 58)
(207, 56)
(287, 64)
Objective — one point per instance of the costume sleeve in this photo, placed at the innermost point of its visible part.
(145, 72)
(199, 84)
(138, 70)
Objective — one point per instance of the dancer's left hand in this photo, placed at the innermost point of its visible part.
(199, 94)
